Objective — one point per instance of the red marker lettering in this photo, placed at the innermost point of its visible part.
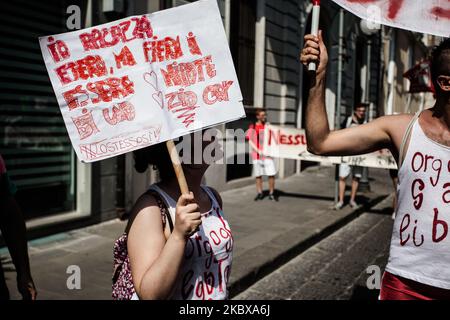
(436, 223)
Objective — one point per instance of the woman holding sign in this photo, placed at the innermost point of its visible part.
(175, 246)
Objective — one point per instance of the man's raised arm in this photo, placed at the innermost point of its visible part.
(362, 139)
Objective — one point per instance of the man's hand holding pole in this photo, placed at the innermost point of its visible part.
(314, 27)
(317, 128)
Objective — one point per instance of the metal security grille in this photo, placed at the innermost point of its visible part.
(33, 138)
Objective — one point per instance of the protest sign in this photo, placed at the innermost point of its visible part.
(283, 142)
(426, 16)
(290, 143)
(142, 80)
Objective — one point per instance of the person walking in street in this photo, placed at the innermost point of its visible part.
(419, 257)
(357, 118)
(175, 246)
(262, 165)
(12, 225)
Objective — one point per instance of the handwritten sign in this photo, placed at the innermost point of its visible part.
(290, 143)
(144, 79)
(378, 159)
(429, 16)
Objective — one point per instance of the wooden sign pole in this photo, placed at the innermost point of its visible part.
(177, 166)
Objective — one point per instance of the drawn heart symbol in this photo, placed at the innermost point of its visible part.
(158, 97)
(151, 79)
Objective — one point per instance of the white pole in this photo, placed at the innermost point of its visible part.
(339, 93)
(260, 50)
(314, 27)
(391, 74)
(227, 18)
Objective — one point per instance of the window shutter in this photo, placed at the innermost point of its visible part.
(33, 138)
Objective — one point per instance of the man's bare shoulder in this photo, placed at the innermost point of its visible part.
(402, 117)
(396, 122)
(395, 126)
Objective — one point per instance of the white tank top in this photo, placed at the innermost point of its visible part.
(420, 244)
(205, 271)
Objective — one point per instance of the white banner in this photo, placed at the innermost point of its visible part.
(290, 143)
(426, 16)
(141, 80)
(378, 159)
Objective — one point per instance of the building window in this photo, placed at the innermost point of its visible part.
(174, 3)
(242, 45)
(33, 138)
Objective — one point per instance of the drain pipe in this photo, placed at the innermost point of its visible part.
(391, 74)
(339, 94)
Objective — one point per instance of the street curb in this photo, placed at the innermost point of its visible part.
(255, 273)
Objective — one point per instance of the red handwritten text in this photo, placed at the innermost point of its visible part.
(108, 37)
(106, 90)
(117, 145)
(193, 46)
(58, 49)
(441, 12)
(437, 222)
(423, 163)
(123, 111)
(217, 92)
(85, 124)
(287, 139)
(124, 58)
(394, 6)
(189, 73)
(183, 103)
(162, 50)
(404, 226)
(88, 67)
(418, 197)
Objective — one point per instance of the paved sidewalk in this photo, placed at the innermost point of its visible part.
(336, 267)
(267, 234)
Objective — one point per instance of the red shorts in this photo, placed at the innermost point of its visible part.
(397, 288)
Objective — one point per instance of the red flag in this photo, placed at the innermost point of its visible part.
(420, 77)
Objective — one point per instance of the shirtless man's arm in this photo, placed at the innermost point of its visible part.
(383, 132)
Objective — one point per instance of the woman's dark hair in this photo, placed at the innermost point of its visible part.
(156, 155)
